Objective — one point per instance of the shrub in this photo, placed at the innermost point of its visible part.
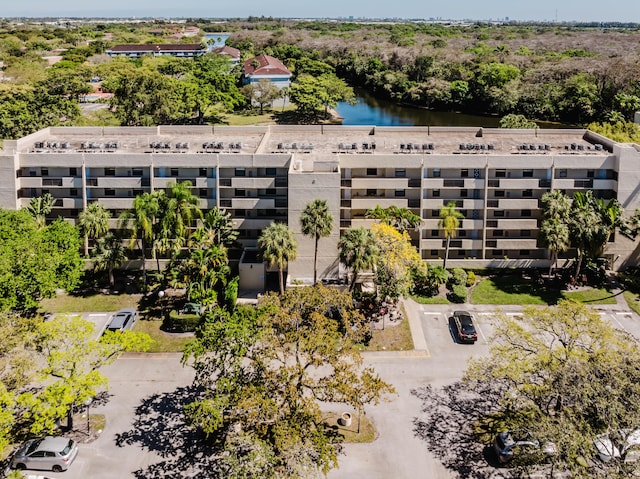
(181, 323)
(458, 277)
(458, 294)
(471, 278)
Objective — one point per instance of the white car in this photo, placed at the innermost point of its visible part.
(627, 443)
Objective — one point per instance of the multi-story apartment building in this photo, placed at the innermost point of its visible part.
(496, 178)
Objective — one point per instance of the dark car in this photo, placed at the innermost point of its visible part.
(51, 453)
(465, 329)
(123, 320)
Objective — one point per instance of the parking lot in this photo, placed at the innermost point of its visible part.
(144, 432)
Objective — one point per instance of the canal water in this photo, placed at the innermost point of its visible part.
(376, 112)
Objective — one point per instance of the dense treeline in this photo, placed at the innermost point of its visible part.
(552, 73)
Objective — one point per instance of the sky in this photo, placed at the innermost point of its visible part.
(545, 10)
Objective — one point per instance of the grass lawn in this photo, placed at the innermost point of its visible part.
(512, 289)
(430, 299)
(367, 432)
(164, 342)
(65, 303)
(591, 296)
(633, 300)
(392, 338)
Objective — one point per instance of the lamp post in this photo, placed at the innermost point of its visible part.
(161, 301)
(88, 404)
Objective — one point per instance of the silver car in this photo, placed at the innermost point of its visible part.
(50, 453)
(123, 320)
(507, 445)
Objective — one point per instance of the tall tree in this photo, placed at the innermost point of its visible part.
(264, 92)
(449, 223)
(278, 246)
(40, 207)
(568, 375)
(263, 373)
(140, 222)
(402, 219)
(93, 222)
(109, 254)
(180, 210)
(317, 222)
(554, 234)
(357, 251)
(216, 229)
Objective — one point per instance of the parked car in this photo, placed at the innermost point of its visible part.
(627, 444)
(465, 329)
(123, 320)
(51, 453)
(508, 445)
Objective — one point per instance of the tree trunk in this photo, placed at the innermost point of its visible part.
(554, 260)
(446, 253)
(144, 267)
(315, 263)
(112, 281)
(578, 266)
(70, 418)
(353, 280)
(86, 245)
(280, 274)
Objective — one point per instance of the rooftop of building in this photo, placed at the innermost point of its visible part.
(314, 140)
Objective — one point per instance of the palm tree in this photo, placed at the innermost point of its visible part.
(357, 251)
(180, 209)
(316, 221)
(93, 222)
(140, 221)
(205, 269)
(108, 255)
(449, 223)
(554, 234)
(40, 207)
(401, 219)
(216, 229)
(278, 246)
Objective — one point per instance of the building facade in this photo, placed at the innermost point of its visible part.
(496, 177)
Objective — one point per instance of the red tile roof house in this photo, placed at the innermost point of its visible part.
(265, 67)
(233, 53)
(183, 50)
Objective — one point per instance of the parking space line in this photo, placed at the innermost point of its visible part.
(97, 314)
(432, 312)
(619, 323)
(481, 333)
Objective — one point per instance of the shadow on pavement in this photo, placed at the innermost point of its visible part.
(160, 427)
(446, 426)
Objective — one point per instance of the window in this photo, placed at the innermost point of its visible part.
(372, 192)
(44, 171)
(109, 192)
(525, 233)
(202, 172)
(241, 213)
(73, 171)
(73, 192)
(372, 171)
(501, 173)
(463, 193)
(436, 193)
(401, 172)
(590, 174)
(496, 252)
(203, 193)
(435, 233)
(270, 172)
(109, 172)
(434, 252)
(462, 253)
(525, 213)
(462, 233)
(136, 172)
(498, 213)
(399, 193)
(464, 173)
(527, 193)
(524, 252)
(436, 173)
(498, 233)
(527, 173)
(137, 192)
(174, 172)
(562, 173)
(241, 172)
(435, 213)
(240, 192)
(499, 193)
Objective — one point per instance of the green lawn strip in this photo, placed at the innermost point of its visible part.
(164, 342)
(350, 433)
(430, 299)
(591, 296)
(66, 303)
(512, 289)
(391, 338)
(633, 300)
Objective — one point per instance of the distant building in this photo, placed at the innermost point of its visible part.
(264, 67)
(232, 53)
(183, 50)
